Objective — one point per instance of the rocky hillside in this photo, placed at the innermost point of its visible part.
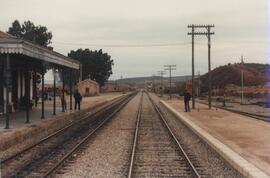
(254, 75)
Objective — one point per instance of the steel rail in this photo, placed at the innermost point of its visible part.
(135, 138)
(66, 156)
(248, 114)
(190, 164)
(62, 130)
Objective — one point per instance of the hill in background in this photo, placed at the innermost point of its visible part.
(141, 80)
(254, 75)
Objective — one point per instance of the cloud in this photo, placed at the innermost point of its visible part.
(240, 29)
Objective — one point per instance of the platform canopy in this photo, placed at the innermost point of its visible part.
(13, 45)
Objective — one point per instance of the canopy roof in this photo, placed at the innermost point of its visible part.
(13, 45)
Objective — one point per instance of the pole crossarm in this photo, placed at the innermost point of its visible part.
(169, 65)
(161, 73)
(200, 26)
(201, 33)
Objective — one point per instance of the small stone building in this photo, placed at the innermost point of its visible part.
(115, 87)
(88, 87)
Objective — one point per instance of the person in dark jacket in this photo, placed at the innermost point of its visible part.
(186, 100)
(78, 99)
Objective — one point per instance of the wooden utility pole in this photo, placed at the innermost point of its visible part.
(209, 65)
(192, 63)
(161, 73)
(199, 85)
(170, 68)
(208, 33)
(242, 80)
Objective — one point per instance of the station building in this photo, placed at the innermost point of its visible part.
(116, 87)
(88, 87)
(23, 65)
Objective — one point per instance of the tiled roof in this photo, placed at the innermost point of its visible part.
(3, 34)
(14, 45)
(88, 81)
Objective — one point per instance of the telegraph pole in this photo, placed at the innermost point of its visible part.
(192, 62)
(242, 80)
(199, 85)
(153, 84)
(208, 34)
(170, 68)
(161, 73)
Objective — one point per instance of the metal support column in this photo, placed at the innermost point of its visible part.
(35, 88)
(8, 87)
(27, 95)
(63, 93)
(70, 89)
(21, 84)
(54, 92)
(42, 94)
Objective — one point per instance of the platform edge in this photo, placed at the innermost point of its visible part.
(234, 159)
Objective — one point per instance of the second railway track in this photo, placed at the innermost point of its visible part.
(156, 151)
(45, 157)
(261, 117)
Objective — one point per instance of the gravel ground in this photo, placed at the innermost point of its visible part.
(157, 155)
(108, 153)
(207, 158)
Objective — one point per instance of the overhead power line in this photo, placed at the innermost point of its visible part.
(125, 45)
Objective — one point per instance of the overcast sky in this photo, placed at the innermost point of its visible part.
(115, 26)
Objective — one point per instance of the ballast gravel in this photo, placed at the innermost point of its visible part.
(107, 153)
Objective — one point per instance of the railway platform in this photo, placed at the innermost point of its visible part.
(17, 119)
(247, 137)
(21, 134)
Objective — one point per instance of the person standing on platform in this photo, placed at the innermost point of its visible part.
(78, 98)
(63, 101)
(186, 100)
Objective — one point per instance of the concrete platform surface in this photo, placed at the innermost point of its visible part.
(246, 136)
(17, 119)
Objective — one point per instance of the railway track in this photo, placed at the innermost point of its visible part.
(248, 114)
(156, 151)
(252, 115)
(47, 156)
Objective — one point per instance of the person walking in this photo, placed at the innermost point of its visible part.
(186, 100)
(63, 101)
(78, 98)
